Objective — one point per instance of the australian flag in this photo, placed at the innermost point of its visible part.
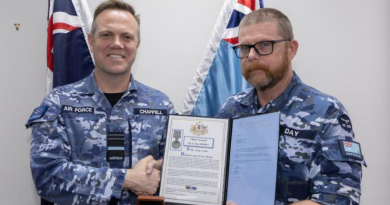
(68, 55)
(219, 75)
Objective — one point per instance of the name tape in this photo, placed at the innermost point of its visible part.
(145, 111)
(302, 134)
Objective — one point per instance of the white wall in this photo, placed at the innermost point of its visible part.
(22, 82)
(344, 51)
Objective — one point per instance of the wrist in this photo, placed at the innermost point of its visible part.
(128, 184)
(119, 180)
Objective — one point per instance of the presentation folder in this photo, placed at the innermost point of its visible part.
(211, 161)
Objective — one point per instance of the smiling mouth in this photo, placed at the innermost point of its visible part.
(116, 56)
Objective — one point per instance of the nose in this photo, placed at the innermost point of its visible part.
(253, 54)
(116, 42)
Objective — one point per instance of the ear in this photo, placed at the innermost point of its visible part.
(90, 41)
(293, 49)
(138, 43)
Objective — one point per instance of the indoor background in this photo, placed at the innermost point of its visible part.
(344, 51)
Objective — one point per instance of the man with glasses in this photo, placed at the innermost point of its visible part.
(319, 161)
(100, 140)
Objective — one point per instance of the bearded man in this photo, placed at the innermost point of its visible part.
(319, 160)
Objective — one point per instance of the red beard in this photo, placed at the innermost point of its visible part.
(269, 78)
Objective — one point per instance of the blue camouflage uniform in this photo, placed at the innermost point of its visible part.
(69, 140)
(318, 157)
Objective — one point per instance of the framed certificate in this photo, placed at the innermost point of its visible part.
(195, 160)
(212, 160)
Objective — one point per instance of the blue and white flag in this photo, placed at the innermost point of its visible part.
(68, 55)
(219, 74)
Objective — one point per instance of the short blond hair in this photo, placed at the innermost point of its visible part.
(115, 5)
(270, 15)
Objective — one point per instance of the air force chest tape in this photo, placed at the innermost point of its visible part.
(78, 110)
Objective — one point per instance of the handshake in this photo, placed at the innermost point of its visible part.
(144, 178)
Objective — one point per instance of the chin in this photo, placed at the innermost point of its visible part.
(120, 72)
(118, 69)
(116, 72)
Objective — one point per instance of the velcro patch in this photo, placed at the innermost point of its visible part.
(38, 113)
(116, 146)
(350, 149)
(146, 111)
(345, 122)
(302, 134)
(71, 109)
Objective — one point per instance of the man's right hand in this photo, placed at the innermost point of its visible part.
(137, 181)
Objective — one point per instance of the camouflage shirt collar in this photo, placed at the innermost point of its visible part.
(250, 98)
(284, 100)
(279, 103)
(133, 85)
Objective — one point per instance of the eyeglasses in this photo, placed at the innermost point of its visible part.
(262, 48)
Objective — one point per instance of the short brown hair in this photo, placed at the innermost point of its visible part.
(270, 15)
(115, 5)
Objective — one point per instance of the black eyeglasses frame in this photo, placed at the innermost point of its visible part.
(235, 48)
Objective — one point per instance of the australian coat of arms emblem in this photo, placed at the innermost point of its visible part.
(199, 129)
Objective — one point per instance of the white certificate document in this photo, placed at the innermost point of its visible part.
(253, 160)
(194, 161)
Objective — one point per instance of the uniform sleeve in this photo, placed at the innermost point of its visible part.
(56, 177)
(336, 170)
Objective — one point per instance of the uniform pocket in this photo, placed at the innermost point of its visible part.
(147, 131)
(86, 134)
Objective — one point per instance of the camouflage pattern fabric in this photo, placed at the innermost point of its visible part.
(69, 140)
(311, 162)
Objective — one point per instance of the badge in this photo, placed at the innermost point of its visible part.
(345, 122)
(38, 113)
(199, 129)
(350, 149)
(176, 135)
